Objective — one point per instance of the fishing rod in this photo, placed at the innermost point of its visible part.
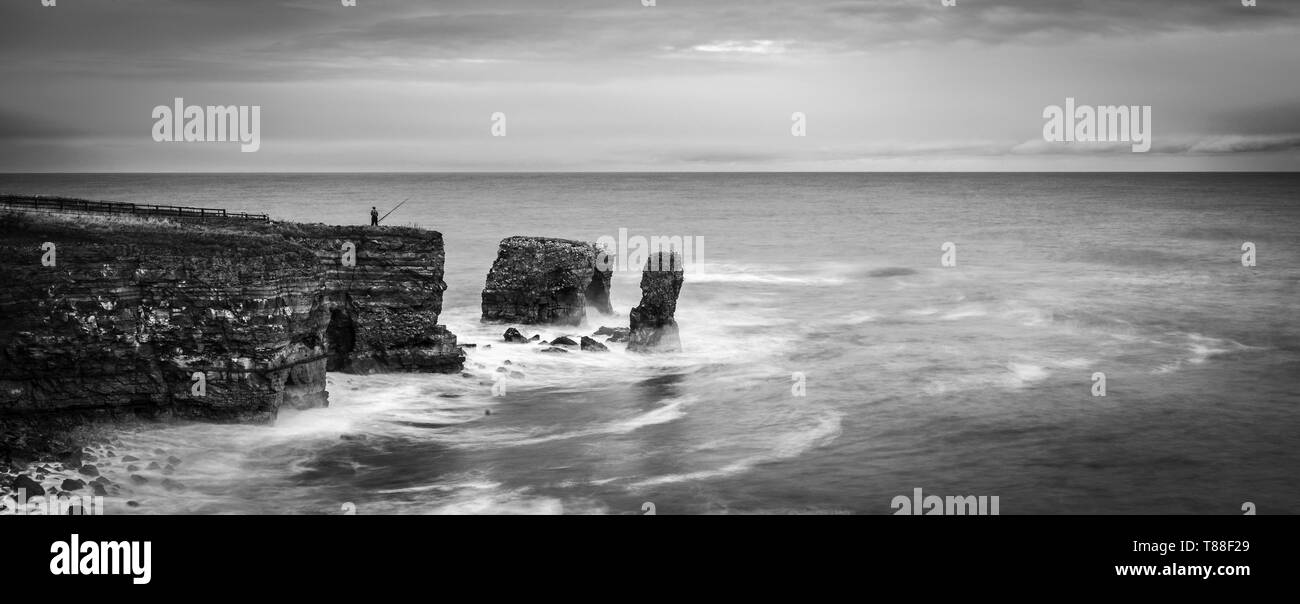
(394, 209)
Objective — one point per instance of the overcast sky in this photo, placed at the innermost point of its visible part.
(700, 85)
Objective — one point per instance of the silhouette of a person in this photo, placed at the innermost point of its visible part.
(374, 216)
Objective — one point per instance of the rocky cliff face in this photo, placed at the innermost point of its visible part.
(537, 280)
(383, 311)
(651, 323)
(131, 310)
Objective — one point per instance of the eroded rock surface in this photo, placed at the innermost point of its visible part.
(541, 280)
(652, 327)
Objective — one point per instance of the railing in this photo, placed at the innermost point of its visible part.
(41, 203)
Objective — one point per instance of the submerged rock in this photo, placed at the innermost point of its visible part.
(652, 327)
(616, 334)
(541, 280)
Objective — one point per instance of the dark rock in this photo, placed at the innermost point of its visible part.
(99, 490)
(592, 345)
(553, 349)
(513, 335)
(25, 482)
(563, 341)
(168, 470)
(130, 458)
(173, 460)
(137, 480)
(72, 485)
(70, 459)
(153, 465)
(652, 326)
(517, 374)
(535, 338)
(538, 280)
(133, 504)
(616, 334)
(101, 480)
(172, 485)
(160, 451)
(133, 468)
(89, 470)
(466, 374)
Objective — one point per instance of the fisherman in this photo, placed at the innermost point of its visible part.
(374, 216)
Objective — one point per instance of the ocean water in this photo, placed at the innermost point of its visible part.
(966, 380)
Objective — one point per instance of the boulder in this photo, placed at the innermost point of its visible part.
(616, 334)
(25, 482)
(513, 335)
(563, 341)
(592, 345)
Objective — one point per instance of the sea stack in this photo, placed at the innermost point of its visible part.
(542, 280)
(653, 328)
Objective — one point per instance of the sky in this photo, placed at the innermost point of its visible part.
(613, 85)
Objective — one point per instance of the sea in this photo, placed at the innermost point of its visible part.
(846, 339)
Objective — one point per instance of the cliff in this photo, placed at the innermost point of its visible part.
(131, 309)
(540, 280)
(652, 326)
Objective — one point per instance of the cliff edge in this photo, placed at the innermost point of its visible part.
(108, 316)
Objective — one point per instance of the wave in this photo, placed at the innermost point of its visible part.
(787, 446)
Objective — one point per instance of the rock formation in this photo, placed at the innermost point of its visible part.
(131, 310)
(539, 280)
(652, 327)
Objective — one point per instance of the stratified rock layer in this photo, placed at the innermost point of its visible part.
(652, 327)
(132, 310)
(540, 280)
